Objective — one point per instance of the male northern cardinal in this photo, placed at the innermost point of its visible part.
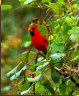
(38, 40)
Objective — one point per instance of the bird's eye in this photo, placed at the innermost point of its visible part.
(33, 29)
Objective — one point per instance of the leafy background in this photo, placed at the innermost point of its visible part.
(58, 73)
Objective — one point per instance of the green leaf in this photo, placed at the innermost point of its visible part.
(26, 91)
(42, 29)
(15, 93)
(74, 6)
(68, 19)
(62, 88)
(31, 55)
(55, 75)
(27, 44)
(57, 56)
(66, 28)
(74, 46)
(40, 87)
(77, 4)
(16, 75)
(55, 48)
(61, 2)
(24, 53)
(42, 66)
(76, 92)
(54, 6)
(57, 27)
(74, 37)
(74, 30)
(29, 1)
(61, 20)
(23, 86)
(6, 88)
(22, 0)
(43, 1)
(26, 2)
(40, 59)
(34, 79)
(75, 58)
(5, 7)
(47, 84)
(69, 85)
(13, 70)
(26, 41)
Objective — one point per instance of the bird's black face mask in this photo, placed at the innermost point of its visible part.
(32, 32)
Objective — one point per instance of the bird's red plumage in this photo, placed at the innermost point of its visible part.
(38, 40)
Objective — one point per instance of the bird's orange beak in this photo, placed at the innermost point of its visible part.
(30, 30)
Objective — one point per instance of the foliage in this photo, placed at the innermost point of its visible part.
(5, 7)
(63, 53)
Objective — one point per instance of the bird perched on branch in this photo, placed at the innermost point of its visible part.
(38, 40)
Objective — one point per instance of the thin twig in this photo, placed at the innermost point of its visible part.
(28, 7)
(38, 53)
(46, 15)
(28, 53)
(69, 3)
(35, 70)
(64, 71)
(50, 18)
(76, 44)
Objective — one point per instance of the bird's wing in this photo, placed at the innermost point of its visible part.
(44, 39)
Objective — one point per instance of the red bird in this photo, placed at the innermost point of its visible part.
(38, 40)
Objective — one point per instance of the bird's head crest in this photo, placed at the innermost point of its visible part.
(32, 28)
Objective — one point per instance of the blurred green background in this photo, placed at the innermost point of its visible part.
(14, 27)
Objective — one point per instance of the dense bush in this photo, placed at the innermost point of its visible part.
(58, 72)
